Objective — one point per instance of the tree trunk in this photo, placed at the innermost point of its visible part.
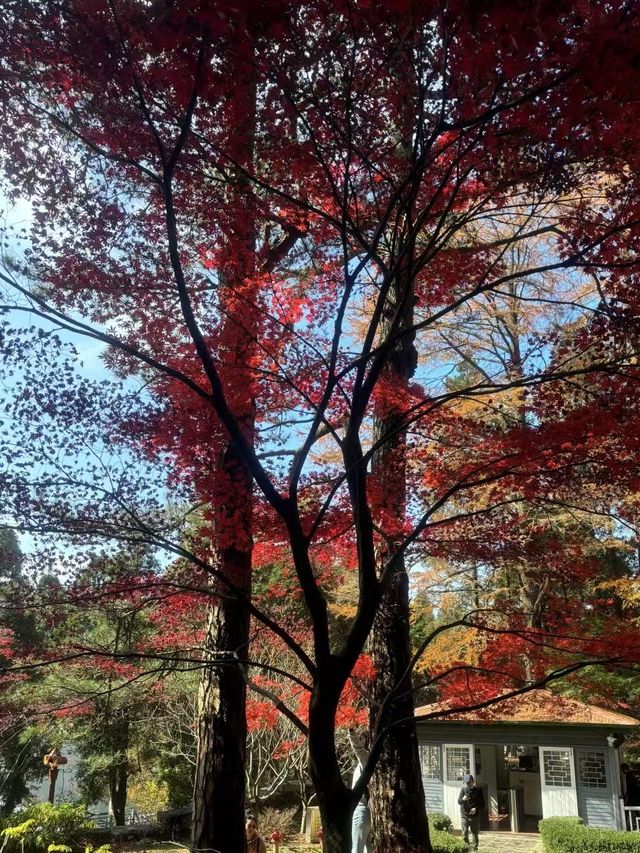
(333, 795)
(336, 829)
(118, 779)
(53, 777)
(397, 798)
(219, 790)
(119, 728)
(397, 802)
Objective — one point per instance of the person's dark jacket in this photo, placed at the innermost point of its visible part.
(475, 801)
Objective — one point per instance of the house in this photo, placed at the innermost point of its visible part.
(535, 755)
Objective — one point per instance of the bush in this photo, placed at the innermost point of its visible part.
(568, 835)
(440, 822)
(444, 842)
(276, 820)
(43, 825)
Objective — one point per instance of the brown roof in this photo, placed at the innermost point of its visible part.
(537, 706)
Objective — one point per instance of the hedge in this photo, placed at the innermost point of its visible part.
(568, 835)
(444, 842)
(440, 822)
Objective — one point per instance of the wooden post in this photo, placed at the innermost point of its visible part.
(53, 775)
(52, 760)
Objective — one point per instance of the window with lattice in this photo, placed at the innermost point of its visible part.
(430, 761)
(592, 769)
(557, 768)
(458, 763)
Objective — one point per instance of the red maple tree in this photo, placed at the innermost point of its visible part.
(273, 293)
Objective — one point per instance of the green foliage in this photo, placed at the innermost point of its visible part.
(441, 833)
(59, 848)
(440, 822)
(444, 842)
(20, 831)
(568, 835)
(149, 795)
(177, 774)
(45, 827)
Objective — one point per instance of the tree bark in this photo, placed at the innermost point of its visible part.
(119, 769)
(397, 802)
(333, 796)
(219, 789)
(118, 779)
(397, 798)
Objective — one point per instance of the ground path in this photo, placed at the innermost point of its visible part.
(507, 842)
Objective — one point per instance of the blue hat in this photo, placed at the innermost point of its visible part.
(467, 778)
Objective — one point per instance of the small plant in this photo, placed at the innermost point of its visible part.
(276, 820)
(276, 838)
(440, 822)
(444, 842)
(19, 833)
(44, 828)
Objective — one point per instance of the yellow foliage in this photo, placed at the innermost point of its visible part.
(458, 644)
(627, 589)
(149, 795)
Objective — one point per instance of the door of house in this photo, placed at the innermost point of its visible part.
(595, 791)
(459, 759)
(558, 782)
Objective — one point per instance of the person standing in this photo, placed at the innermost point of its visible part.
(471, 802)
(361, 821)
(255, 844)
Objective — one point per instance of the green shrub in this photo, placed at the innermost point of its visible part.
(440, 822)
(42, 826)
(444, 842)
(568, 835)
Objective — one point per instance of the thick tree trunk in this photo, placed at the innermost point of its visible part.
(398, 809)
(219, 808)
(333, 796)
(219, 790)
(336, 829)
(118, 779)
(119, 768)
(397, 803)
(397, 799)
